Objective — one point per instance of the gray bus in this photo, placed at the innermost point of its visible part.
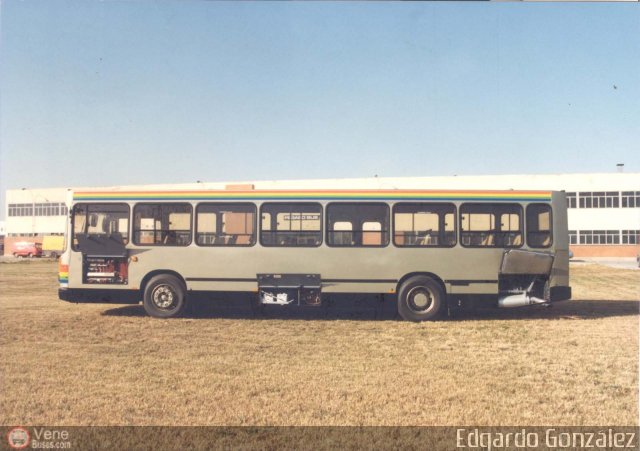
(429, 249)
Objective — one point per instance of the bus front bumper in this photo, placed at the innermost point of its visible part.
(97, 295)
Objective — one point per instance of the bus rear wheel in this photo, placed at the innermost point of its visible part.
(420, 298)
(164, 296)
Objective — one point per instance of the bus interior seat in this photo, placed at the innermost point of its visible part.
(169, 238)
(489, 240)
(371, 238)
(371, 233)
(243, 239)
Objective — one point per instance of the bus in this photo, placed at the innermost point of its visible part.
(431, 250)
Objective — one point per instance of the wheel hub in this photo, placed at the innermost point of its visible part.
(163, 296)
(420, 299)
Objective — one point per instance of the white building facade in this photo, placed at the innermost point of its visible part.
(604, 209)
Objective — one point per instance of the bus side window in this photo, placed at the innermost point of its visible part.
(297, 224)
(162, 224)
(225, 224)
(539, 229)
(424, 225)
(357, 224)
(491, 225)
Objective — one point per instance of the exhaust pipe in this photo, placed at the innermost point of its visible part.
(519, 300)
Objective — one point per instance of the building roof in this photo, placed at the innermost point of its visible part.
(568, 182)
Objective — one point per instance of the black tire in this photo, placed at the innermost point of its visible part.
(164, 296)
(420, 298)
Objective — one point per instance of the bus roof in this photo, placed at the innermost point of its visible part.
(315, 195)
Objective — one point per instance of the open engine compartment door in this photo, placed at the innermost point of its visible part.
(524, 278)
(518, 261)
(104, 259)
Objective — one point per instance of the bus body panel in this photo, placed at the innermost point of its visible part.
(464, 271)
(218, 269)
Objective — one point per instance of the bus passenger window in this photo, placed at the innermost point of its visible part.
(539, 229)
(491, 225)
(291, 224)
(424, 225)
(165, 224)
(357, 225)
(225, 224)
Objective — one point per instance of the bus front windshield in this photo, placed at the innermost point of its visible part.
(91, 220)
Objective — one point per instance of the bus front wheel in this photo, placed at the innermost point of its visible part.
(420, 298)
(164, 296)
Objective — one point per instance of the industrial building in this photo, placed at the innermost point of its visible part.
(604, 208)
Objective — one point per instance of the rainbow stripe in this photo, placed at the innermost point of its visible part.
(302, 195)
(63, 274)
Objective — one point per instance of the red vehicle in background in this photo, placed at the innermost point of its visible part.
(26, 249)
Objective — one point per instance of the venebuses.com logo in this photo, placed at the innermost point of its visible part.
(18, 438)
(39, 438)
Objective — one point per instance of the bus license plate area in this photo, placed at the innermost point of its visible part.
(289, 289)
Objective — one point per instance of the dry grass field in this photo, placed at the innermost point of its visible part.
(66, 364)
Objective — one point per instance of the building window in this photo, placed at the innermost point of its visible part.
(599, 199)
(572, 201)
(630, 199)
(357, 225)
(226, 224)
(631, 237)
(573, 237)
(599, 237)
(291, 224)
(418, 225)
(491, 225)
(20, 210)
(539, 225)
(39, 209)
(162, 224)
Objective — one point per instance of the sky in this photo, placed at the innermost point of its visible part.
(96, 93)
